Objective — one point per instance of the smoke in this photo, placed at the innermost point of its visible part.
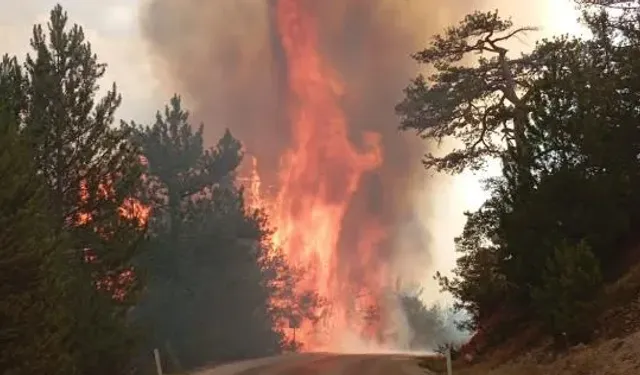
(225, 57)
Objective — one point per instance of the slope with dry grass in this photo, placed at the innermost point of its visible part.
(615, 351)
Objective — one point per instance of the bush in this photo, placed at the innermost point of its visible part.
(565, 301)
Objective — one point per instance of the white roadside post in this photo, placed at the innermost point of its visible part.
(156, 354)
(449, 367)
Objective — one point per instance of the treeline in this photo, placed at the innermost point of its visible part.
(120, 238)
(564, 123)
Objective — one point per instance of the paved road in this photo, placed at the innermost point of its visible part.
(323, 364)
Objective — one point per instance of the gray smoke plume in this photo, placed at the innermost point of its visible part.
(225, 57)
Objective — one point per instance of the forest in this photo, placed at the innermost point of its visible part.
(120, 237)
(562, 120)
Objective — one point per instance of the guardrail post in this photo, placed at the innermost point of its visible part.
(449, 366)
(156, 354)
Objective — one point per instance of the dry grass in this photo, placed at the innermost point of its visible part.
(610, 357)
(621, 302)
(625, 289)
(616, 352)
(607, 356)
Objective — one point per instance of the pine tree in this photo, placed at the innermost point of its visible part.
(573, 127)
(565, 301)
(91, 173)
(180, 163)
(89, 165)
(485, 106)
(209, 279)
(199, 217)
(33, 327)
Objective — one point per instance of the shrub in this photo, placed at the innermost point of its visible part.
(566, 300)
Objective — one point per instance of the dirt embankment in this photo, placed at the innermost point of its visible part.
(618, 356)
(616, 351)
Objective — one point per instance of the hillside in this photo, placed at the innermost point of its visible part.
(614, 351)
(618, 356)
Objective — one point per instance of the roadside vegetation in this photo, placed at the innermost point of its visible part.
(551, 252)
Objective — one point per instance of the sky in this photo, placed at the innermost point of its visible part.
(113, 29)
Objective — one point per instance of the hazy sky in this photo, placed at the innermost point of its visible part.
(112, 28)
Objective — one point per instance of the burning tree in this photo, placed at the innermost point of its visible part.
(212, 271)
(90, 176)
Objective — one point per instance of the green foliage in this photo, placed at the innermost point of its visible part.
(211, 268)
(478, 284)
(482, 105)
(32, 327)
(76, 144)
(562, 119)
(565, 299)
(86, 171)
(12, 88)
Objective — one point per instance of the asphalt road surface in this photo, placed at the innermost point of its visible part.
(323, 364)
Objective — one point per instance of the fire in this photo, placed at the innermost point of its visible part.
(131, 210)
(254, 185)
(319, 175)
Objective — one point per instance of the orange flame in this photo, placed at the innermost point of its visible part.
(132, 210)
(319, 174)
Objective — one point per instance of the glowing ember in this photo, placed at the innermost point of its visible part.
(131, 208)
(118, 283)
(319, 175)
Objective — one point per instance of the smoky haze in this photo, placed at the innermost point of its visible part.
(224, 56)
